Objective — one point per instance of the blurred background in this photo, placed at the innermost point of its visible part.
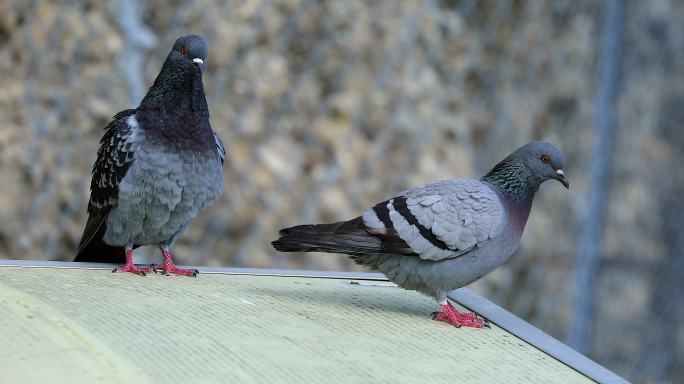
(327, 107)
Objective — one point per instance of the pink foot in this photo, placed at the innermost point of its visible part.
(452, 316)
(133, 269)
(130, 267)
(166, 269)
(170, 268)
(471, 316)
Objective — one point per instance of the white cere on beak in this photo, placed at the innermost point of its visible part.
(560, 172)
(198, 61)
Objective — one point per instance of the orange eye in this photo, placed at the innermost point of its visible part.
(184, 50)
(545, 159)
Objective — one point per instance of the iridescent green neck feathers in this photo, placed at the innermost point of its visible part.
(514, 179)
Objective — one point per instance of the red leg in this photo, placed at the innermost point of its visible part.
(169, 266)
(130, 267)
(452, 316)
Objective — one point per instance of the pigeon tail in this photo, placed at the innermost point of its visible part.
(93, 249)
(98, 252)
(348, 237)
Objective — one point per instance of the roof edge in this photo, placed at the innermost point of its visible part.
(534, 336)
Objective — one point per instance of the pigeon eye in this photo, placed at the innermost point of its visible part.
(545, 159)
(184, 50)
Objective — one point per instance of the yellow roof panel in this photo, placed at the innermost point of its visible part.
(89, 325)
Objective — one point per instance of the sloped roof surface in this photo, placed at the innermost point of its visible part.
(86, 325)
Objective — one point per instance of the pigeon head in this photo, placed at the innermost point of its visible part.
(181, 72)
(544, 160)
(175, 105)
(191, 49)
(522, 172)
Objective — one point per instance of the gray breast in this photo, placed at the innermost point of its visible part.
(162, 192)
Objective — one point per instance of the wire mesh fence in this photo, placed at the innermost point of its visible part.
(328, 107)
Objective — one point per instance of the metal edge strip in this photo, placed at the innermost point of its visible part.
(464, 296)
(204, 270)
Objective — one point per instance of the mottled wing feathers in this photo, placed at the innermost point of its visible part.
(441, 220)
(114, 157)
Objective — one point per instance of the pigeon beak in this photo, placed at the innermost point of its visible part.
(560, 176)
(199, 63)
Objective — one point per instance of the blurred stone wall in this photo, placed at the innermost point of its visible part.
(327, 107)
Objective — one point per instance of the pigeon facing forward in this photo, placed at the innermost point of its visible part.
(158, 165)
(441, 236)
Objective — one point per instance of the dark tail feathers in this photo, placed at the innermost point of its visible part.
(93, 249)
(348, 237)
(98, 252)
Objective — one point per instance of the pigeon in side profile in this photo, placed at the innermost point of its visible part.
(158, 165)
(441, 236)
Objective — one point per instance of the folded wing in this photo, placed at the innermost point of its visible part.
(441, 220)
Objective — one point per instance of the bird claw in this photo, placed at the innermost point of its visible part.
(475, 317)
(452, 316)
(132, 269)
(168, 270)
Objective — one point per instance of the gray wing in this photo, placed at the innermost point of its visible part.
(441, 220)
(114, 157)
